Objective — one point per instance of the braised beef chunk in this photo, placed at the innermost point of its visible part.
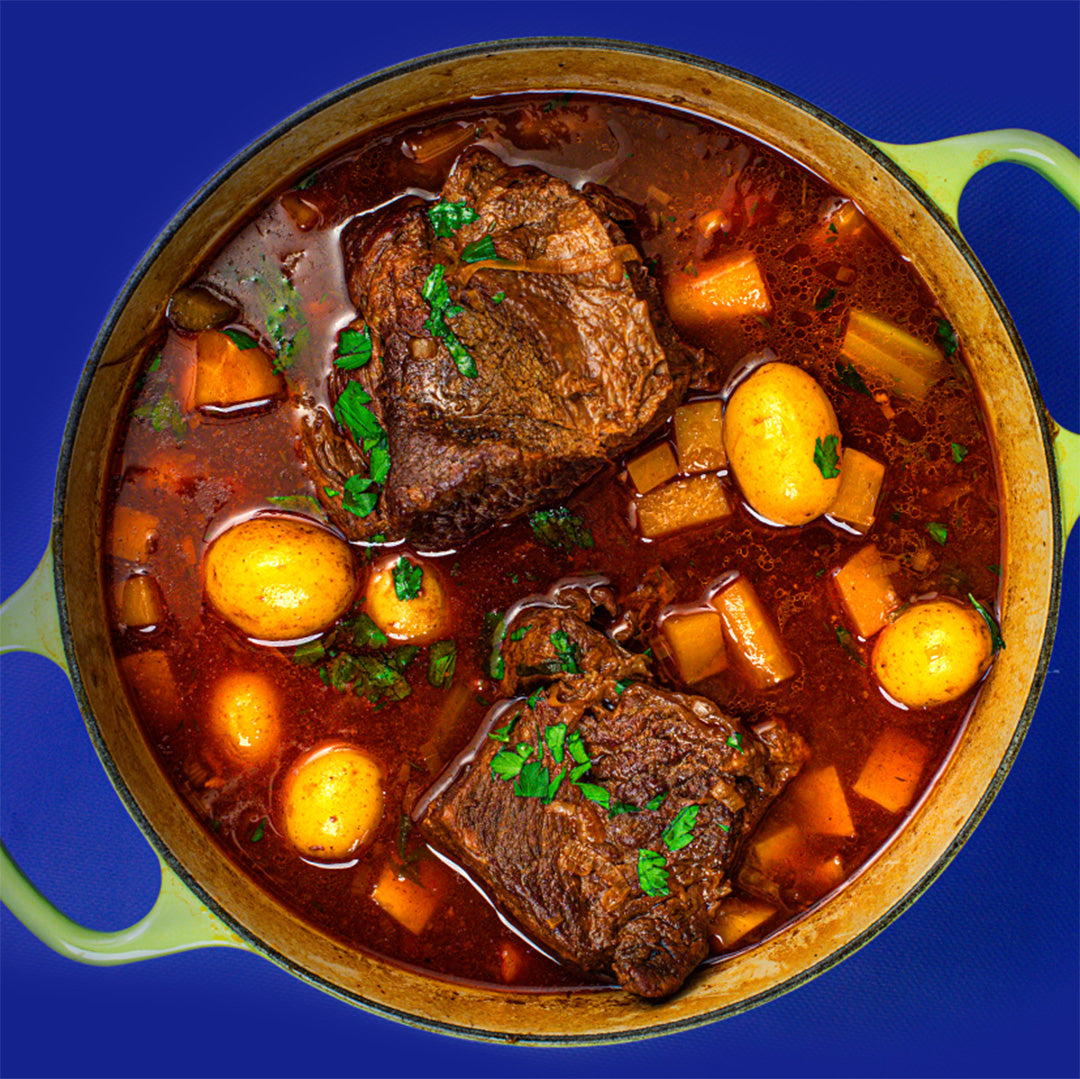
(604, 812)
(549, 354)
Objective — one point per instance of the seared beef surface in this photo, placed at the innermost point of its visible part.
(575, 358)
(561, 855)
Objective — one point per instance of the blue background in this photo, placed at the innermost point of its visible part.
(112, 116)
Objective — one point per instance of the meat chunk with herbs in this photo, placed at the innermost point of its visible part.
(604, 812)
(512, 344)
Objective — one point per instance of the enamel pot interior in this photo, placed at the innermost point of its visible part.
(934, 828)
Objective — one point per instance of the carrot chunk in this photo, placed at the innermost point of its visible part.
(141, 604)
(821, 804)
(739, 917)
(132, 534)
(891, 772)
(696, 643)
(682, 504)
(699, 436)
(226, 374)
(778, 850)
(407, 902)
(652, 468)
(726, 289)
(883, 351)
(860, 486)
(753, 634)
(866, 592)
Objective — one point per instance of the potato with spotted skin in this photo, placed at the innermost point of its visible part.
(244, 717)
(280, 578)
(406, 600)
(932, 654)
(331, 801)
(774, 422)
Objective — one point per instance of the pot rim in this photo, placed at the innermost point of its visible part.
(235, 163)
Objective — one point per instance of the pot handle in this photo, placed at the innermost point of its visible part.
(942, 169)
(178, 921)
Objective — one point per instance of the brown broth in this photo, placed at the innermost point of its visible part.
(209, 472)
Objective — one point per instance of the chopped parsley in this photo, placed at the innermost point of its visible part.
(825, 300)
(437, 294)
(502, 734)
(532, 780)
(479, 250)
(260, 830)
(447, 217)
(560, 529)
(566, 650)
(826, 457)
(847, 643)
(555, 737)
(595, 794)
(286, 324)
(652, 873)
(365, 633)
(164, 412)
(849, 377)
(735, 741)
(556, 103)
(242, 340)
(298, 504)
(357, 497)
(938, 531)
(996, 639)
(959, 452)
(408, 578)
(498, 297)
(507, 763)
(353, 349)
(442, 660)
(680, 832)
(946, 335)
(656, 801)
(576, 747)
(622, 686)
(519, 633)
(534, 697)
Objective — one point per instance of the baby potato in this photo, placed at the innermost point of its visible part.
(406, 600)
(775, 422)
(244, 717)
(933, 653)
(279, 578)
(331, 801)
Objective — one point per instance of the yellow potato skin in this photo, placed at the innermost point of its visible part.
(279, 578)
(771, 425)
(932, 654)
(331, 801)
(419, 620)
(244, 717)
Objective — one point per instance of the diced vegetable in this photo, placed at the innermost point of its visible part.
(511, 959)
(777, 850)
(304, 215)
(699, 436)
(133, 534)
(725, 289)
(696, 642)
(821, 803)
(866, 592)
(438, 143)
(753, 635)
(230, 371)
(860, 486)
(883, 351)
(141, 604)
(891, 772)
(682, 504)
(408, 903)
(151, 678)
(829, 874)
(652, 468)
(738, 917)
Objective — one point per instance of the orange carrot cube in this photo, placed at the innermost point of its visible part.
(753, 635)
(407, 902)
(821, 804)
(892, 771)
(866, 592)
(682, 504)
(720, 290)
(699, 436)
(696, 642)
(132, 534)
(652, 468)
(227, 374)
(860, 486)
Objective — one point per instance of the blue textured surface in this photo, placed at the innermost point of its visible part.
(112, 115)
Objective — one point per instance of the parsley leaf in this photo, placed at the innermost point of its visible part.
(938, 531)
(357, 498)
(379, 460)
(353, 349)
(164, 412)
(260, 829)
(498, 297)
(947, 336)
(656, 801)
(576, 747)
(996, 639)
(825, 300)
(735, 741)
(959, 452)
(441, 663)
(519, 633)
(437, 294)
(366, 634)
(555, 737)
(652, 874)
(560, 529)
(679, 832)
(553, 786)
(534, 697)
(847, 643)
(479, 250)
(849, 377)
(502, 734)
(286, 324)
(408, 578)
(298, 504)
(351, 412)
(566, 650)
(532, 781)
(506, 764)
(242, 340)
(826, 457)
(595, 794)
(447, 217)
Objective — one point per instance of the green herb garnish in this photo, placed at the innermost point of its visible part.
(947, 336)
(825, 300)
(479, 250)
(847, 643)
(284, 317)
(408, 577)
(560, 529)
(826, 457)
(447, 217)
(566, 650)
(506, 764)
(656, 801)
(502, 734)
(595, 794)
(365, 633)
(242, 340)
(260, 830)
(959, 452)
(298, 504)
(498, 297)
(680, 831)
(849, 377)
(532, 780)
(534, 697)
(575, 745)
(555, 737)
(357, 497)
(556, 103)
(652, 874)
(735, 741)
(938, 531)
(164, 412)
(622, 686)
(353, 349)
(441, 663)
(437, 294)
(996, 639)
(519, 633)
